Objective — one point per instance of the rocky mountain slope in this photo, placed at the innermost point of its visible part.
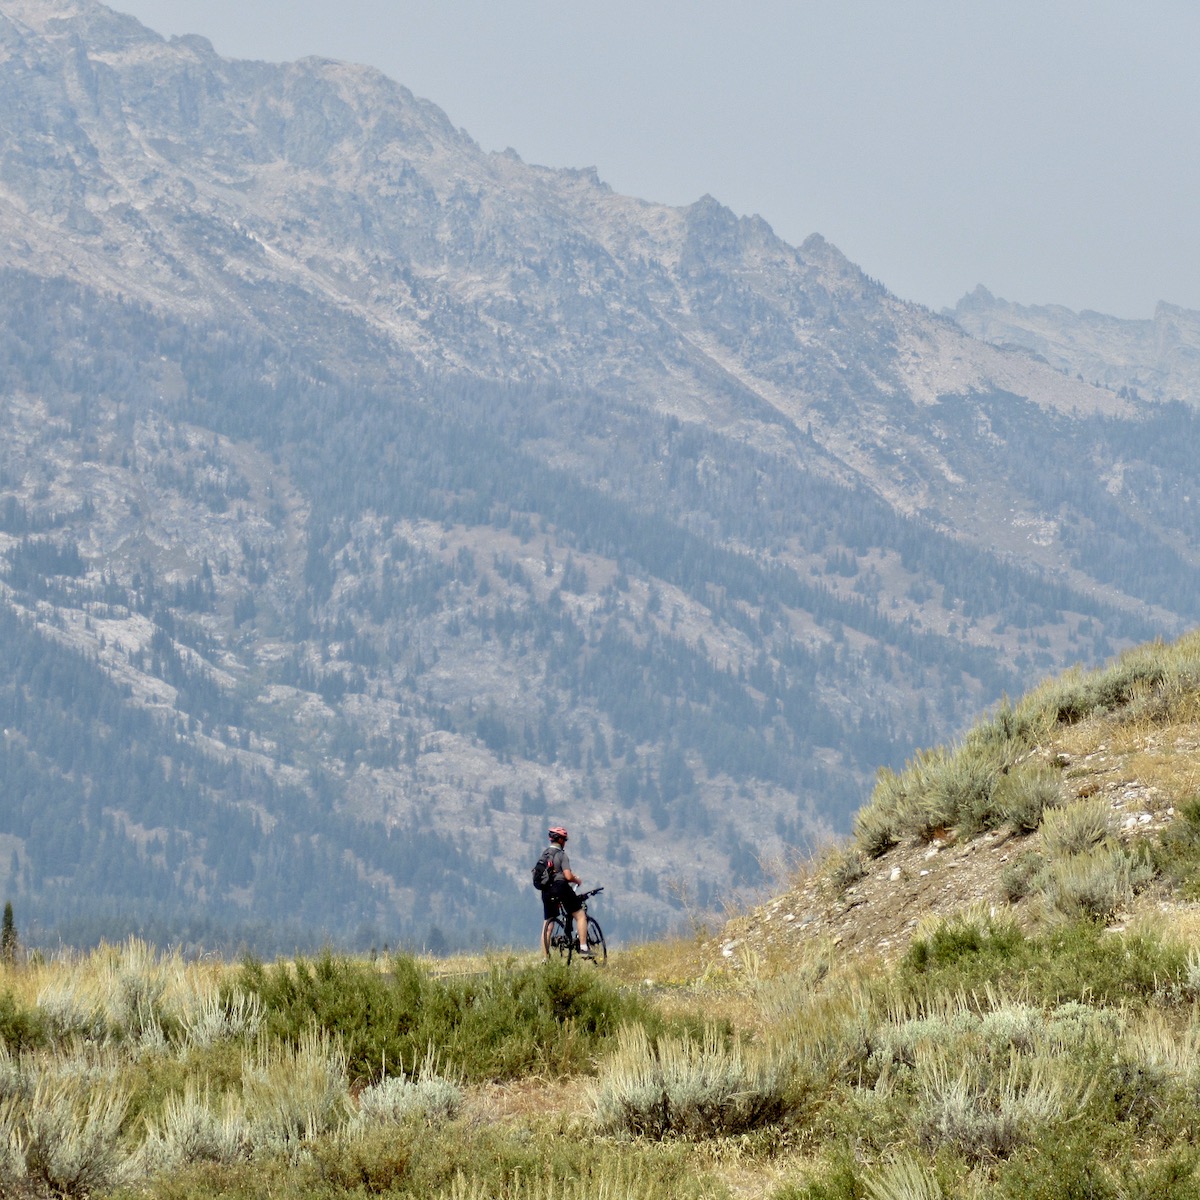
(367, 501)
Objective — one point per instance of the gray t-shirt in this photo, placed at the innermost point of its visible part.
(559, 860)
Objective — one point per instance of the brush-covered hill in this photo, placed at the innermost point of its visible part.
(369, 501)
(1079, 802)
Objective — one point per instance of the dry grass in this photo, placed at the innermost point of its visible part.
(1163, 757)
(670, 963)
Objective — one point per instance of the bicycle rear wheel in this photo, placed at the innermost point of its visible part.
(562, 936)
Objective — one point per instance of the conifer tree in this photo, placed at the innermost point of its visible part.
(8, 935)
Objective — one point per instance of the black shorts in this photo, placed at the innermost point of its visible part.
(559, 892)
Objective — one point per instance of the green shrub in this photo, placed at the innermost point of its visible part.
(1175, 1176)
(903, 1178)
(935, 788)
(21, 1029)
(1136, 671)
(1175, 854)
(838, 1179)
(371, 1161)
(1078, 961)
(844, 867)
(1075, 696)
(1017, 880)
(965, 937)
(1082, 962)
(1009, 732)
(502, 1024)
(465, 1160)
(1058, 1165)
(939, 789)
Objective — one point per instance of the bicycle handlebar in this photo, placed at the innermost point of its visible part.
(589, 895)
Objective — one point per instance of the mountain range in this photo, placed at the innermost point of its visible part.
(369, 501)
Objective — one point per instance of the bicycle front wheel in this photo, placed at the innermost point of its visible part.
(596, 941)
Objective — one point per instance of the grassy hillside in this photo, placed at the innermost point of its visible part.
(1027, 1028)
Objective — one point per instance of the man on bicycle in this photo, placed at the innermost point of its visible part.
(558, 892)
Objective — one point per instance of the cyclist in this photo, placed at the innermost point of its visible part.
(558, 891)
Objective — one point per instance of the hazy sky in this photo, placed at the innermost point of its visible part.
(1048, 149)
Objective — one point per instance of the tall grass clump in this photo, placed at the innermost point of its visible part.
(64, 1139)
(130, 994)
(69, 1008)
(612, 1178)
(690, 1087)
(981, 1113)
(1156, 682)
(1077, 695)
(1076, 828)
(1024, 795)
(294, 1093)
(1087, 873)
(1096, 885)
(195, 1127)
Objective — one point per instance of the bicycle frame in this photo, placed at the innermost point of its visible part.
(564, 937)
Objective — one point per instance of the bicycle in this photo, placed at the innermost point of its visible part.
(565, 939)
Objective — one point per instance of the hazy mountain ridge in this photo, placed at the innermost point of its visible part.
(416, 491)
(1158, 359)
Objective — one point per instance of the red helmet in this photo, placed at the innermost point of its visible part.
(557, 833)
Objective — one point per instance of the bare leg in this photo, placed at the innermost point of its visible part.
(547, 926)
(581, 927)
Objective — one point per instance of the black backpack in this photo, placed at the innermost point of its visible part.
(543, 869)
